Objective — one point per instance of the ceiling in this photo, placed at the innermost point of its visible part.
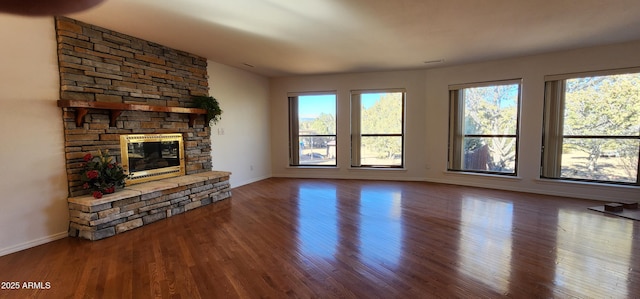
(278, 38)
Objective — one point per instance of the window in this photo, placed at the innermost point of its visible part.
(377, 128)
(312, 129)
(592, 127)
(483, 127)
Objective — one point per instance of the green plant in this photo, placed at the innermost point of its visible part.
(210, 104)
(101, 174)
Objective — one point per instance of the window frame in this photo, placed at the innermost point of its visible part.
(553, 126)
(356, 132)
(294, 129)
(456, 126)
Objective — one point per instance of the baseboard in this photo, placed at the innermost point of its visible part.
(520, 189)
(251, 180)
(350, 177)
(33, 243)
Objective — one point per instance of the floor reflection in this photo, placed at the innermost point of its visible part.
(374, 236)
(485, 242)
(592, 261)
(380, 224)
(318, 227)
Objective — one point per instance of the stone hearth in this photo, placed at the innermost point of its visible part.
(141, 204)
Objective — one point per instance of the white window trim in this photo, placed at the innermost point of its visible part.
(456, 135)
(607, 72)
(294, 146)
(551, 164)
(486, 83)
(356, 141)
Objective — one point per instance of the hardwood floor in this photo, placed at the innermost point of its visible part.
(306, 238)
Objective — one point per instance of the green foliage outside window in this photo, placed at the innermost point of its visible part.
(383, 117)
(608, 108)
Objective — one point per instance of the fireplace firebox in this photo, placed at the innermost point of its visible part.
(147, 157)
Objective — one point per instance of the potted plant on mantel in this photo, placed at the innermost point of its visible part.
(210, 104)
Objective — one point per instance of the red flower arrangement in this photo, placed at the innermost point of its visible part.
(101, 174)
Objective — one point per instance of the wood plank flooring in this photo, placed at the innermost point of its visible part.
(304, 238)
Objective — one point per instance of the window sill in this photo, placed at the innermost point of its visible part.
(312, 167)
(586, 184)
(483, 175)
(377, 169)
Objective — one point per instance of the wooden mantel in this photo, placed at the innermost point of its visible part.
(115, 109)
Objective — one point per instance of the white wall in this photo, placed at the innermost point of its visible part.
(427, 119)
(33, 183)
(240, 140)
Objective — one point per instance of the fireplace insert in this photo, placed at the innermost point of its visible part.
(147, 157)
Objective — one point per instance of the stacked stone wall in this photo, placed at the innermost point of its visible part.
(97, 64)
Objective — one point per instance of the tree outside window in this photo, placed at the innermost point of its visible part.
(484, 127)
(593, 128)
(377, 128)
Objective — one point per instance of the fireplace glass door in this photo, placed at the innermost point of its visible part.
(151, 157)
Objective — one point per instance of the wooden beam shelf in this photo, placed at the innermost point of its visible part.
(115, 109)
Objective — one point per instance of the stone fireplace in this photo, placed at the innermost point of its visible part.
(114, 85)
